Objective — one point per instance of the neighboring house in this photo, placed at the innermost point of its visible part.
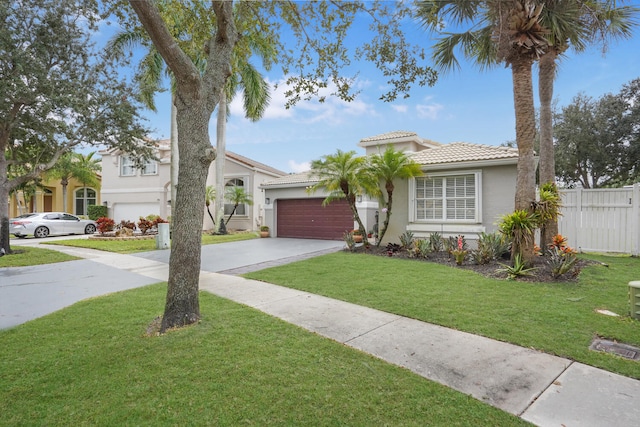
(465, 190)
(49, 198)
(130, 192)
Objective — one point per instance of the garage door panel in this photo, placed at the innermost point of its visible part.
(307, 218)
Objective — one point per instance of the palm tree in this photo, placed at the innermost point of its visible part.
(256, 97)
(86, 168)
(387, 167)
(570, 24)
(75, 165)
(344, 176)
(238, 196)
(501, 31)
(210, 196)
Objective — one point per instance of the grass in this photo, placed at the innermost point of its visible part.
(557, 318)
(90, 364)
(25, 256)
(132, 246)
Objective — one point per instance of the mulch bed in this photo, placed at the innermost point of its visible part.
(541, 272)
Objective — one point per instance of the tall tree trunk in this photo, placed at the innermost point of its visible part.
(221, 137)
(389, 187)
(64, 184)
(4, 205)
(547, 163)
(196, 154)
(525, 136)
(175, 154)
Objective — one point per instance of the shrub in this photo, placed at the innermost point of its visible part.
(96, 211)
(518, 269)
(460, 251)
(145, 225)
(420, 248)
(435, 242)
(348, 240)
(105, 224)
(518, 227)
(491, 247)
(406, 240)
(561, 262)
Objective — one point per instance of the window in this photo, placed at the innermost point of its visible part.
(150, 167)
(84, 197)
(447, 198)
(127, 166)
(231, 187)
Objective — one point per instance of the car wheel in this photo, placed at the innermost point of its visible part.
(41, 232)
(90, 229)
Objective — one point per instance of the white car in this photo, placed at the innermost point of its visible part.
(44, 224)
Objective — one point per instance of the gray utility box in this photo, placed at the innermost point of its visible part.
(634, 299)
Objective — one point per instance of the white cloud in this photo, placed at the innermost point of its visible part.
(400, 108)
(429, 110)
(299, 167)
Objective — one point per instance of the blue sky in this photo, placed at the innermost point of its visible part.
(465, 105)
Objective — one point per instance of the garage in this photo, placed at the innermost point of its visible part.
(308, 219)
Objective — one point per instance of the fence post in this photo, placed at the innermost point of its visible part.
(635, 220)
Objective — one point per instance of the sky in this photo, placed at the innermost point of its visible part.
(467, 105)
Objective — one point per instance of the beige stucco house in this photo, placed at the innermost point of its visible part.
(130, 192)
(465, 190)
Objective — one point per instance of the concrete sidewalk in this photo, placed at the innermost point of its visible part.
(543, 389)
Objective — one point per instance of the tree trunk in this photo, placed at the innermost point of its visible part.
(525, 135)
(221, 136)
(64, 184)
(175, 154)
(387, 218)
(196, 154)
(547, 163)
(4, 205)
(197, 95)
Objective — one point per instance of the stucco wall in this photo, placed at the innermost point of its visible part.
(498, 194)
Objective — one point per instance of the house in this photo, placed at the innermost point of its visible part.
(49, 197)
(465, 190)
(130, 192)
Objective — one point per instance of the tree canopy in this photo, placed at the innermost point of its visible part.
(310, 39)
(57, 92)
(597, 141)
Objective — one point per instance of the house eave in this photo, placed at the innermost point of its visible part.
(471, 164)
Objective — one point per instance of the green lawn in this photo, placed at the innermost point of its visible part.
(558, 318)
(91, 364)
(25, 256)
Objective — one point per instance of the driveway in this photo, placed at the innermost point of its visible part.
(27, 293)
(232, 256)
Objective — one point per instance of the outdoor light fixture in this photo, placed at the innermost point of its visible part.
(267, 201)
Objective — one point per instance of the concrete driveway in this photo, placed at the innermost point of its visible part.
(27, 293)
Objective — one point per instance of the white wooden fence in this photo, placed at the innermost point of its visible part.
(602, 220)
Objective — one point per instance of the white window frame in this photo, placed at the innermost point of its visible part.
(245, 185)
(150, 167)
(413, 216)
(127, 163)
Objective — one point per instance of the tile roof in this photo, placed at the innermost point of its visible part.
(397, 136)
(294, 178)
(252, 163)
(456, 152)
(390, 135)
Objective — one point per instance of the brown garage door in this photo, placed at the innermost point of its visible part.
(308, 219)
